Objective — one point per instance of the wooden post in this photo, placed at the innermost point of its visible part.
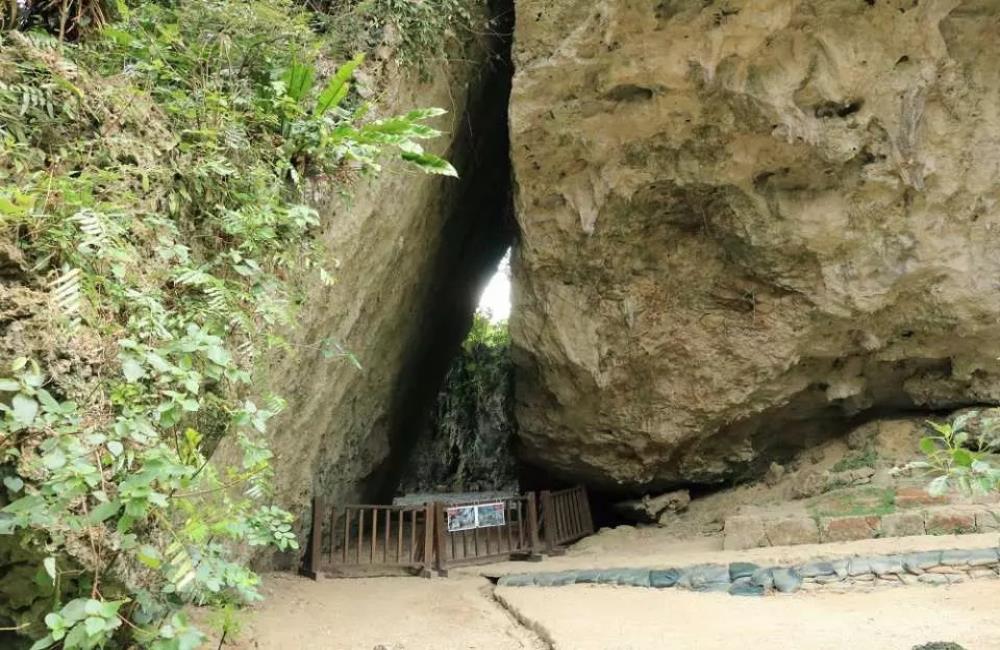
(361, 532)
(347, 532)
(558, 523)
(413, 537)
(315, 540)
(549, 517)
(536, 545)
(385, 543)
(577, 507)
(588, 518)
(520, 525)
(428, 559)
(509, 524)
(333, 534)
(440, 524)
(399, 538)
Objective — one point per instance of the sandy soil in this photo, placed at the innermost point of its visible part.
(620, 618)
(383, 614)
(465, 612)
(655, 547)
(461, 612)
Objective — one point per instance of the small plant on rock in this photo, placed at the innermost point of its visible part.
(866, 458)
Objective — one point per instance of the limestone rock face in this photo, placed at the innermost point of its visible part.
(745, 223)
(407, 253)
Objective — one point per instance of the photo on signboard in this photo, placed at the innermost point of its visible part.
(490, 514)
(461, 518)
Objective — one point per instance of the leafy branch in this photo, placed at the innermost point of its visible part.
(162, 256)
(952, 464)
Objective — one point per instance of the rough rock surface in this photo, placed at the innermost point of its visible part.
(649, 508)
(745, 223)
(409, 252)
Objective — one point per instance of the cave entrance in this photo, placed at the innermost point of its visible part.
(466, 443)
(449, 419)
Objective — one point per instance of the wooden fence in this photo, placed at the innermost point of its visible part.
(565, 517)
(359, 540)
(516, 537)
(369, 539)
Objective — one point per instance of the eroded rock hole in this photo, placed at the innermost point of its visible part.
(838, 109)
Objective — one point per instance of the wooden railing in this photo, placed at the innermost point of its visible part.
(516, 537)
(370, 538)
(565, 517)
(380, 539)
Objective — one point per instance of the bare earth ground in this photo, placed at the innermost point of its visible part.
(460, 612)
(584, 617)
(464, 611)
(390, 613)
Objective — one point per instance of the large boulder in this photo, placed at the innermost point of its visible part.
(745, 224)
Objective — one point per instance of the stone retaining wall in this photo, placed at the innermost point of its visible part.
(753, 531)
(748, 579)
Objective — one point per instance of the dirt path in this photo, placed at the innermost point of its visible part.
(653, 547)
(463, 611)
(621, 618)
(383, 614)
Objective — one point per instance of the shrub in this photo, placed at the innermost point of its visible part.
(151, 216)
(952, 465)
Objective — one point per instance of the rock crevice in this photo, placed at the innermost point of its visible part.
(412, 252)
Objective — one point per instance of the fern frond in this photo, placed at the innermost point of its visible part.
(94, 228)
(275, 404)
(247, 349)
(41, 40)
(90, 223)
(194, 277)
(182, 567)
(218, 298)
(66, 293)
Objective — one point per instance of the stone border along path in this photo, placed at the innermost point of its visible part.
(748, 579)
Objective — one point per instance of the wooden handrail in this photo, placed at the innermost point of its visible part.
(530, 525)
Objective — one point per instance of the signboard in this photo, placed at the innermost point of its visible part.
(489, 515)
(483, 515)
(461, 518)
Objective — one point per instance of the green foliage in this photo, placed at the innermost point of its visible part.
(488, 335)
(66, 18)
(952, 464)
(419, 32)
(153, 181)
(228, 622)
(420, 25)
(866, 458)
(863, 501)
(82, 623)
(468, 446)
(480, 378)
